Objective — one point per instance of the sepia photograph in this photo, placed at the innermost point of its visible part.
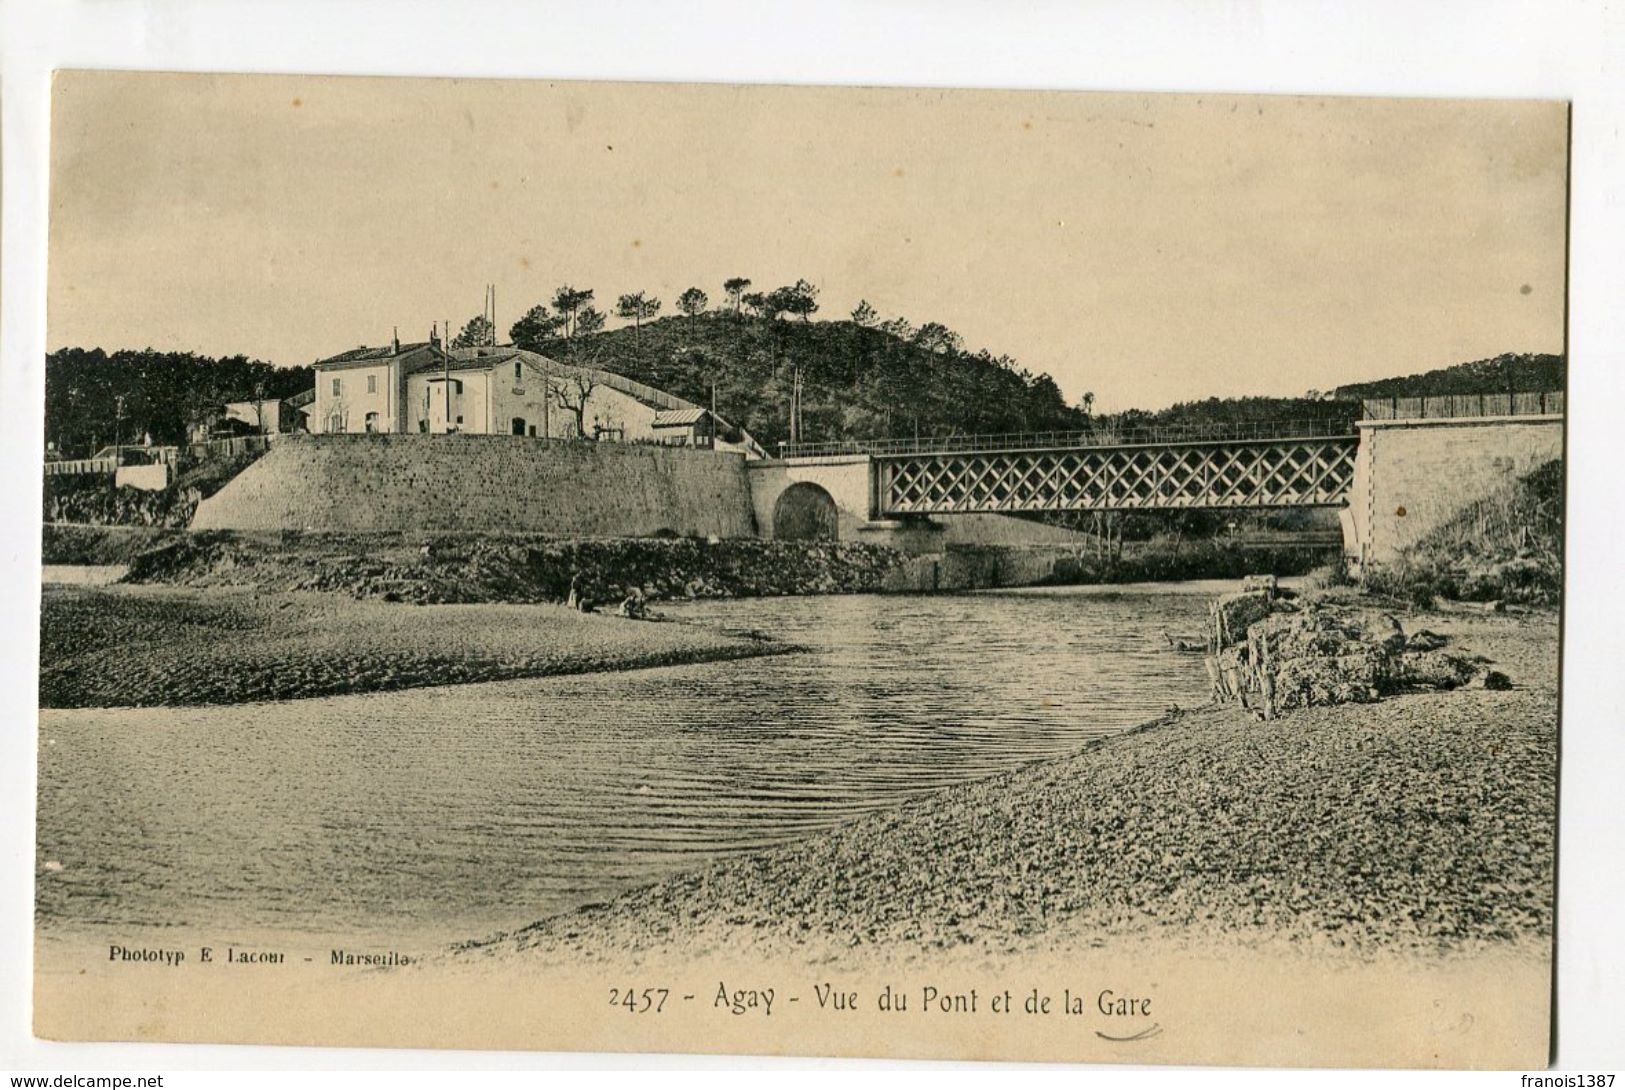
(840, 571)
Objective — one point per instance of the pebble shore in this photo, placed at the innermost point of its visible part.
(1421, 824)
(166, 646)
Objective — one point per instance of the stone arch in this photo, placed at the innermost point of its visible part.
(805, 512)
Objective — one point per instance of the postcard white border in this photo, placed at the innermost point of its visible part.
(1456, 48)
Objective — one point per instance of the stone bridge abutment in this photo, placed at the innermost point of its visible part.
(1411, 476)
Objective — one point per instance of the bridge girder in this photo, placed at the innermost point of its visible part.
(1315, 472)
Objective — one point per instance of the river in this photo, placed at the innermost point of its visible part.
(412, 819)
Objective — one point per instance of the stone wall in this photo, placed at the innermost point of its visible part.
(484, 483)
(1412, 475)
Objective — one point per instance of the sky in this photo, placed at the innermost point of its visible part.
(1146, 248)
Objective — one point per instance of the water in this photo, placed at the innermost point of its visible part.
(429, 816)
(83, 575)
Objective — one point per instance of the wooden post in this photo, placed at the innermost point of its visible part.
(1266, 679)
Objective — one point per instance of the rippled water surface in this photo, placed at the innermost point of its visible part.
(434, 815)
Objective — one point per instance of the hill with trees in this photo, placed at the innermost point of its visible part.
(782, 375)
(1218, 411)
(1506, 373)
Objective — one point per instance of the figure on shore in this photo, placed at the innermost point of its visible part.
(634, 605)
(578, 598)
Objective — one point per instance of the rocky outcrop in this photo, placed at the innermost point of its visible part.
(1277, 653)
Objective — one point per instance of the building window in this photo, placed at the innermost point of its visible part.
(336, 387)
(457, 388)
(372, 384)
(372, 422)
(518, 371)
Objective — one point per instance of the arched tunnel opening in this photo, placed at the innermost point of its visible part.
(805, 512)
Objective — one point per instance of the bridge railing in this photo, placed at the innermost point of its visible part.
(1459, 406)
(1094, 437)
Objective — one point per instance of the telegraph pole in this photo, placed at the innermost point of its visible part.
(445, 357)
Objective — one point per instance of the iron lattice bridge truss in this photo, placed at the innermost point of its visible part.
(1314, 472)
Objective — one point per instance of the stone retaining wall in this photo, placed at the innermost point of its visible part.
(484, 483)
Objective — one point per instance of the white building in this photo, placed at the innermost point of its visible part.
(418, 388)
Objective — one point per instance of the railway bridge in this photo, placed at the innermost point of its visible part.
(1440, 454)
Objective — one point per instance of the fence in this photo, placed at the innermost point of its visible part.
(73, 466)
(1067, 440)
(109, 459)
(1457, 406)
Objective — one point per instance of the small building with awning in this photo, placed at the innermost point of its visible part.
(691, 427)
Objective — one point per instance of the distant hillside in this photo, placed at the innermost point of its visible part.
(1504, 373)
(1507, 373)
(858, 381)
(1246, 410)
(162, 391)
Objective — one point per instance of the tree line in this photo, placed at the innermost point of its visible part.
(95, 398)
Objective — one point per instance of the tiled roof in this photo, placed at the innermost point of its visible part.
(463, 359)
(367, 357)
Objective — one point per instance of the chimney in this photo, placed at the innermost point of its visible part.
(434, 335)
(395, 343)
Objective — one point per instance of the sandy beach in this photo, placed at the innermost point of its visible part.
(1422, 824)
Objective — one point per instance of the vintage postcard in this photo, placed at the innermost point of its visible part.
(828, 571)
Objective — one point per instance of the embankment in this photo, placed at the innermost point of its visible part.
(1156, 561)
(517, 568)
(1424, 824)
(163, 646)
(71, 544)
(429, 568)
(1504, 546)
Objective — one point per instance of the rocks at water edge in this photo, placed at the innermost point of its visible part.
(1274, 654)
